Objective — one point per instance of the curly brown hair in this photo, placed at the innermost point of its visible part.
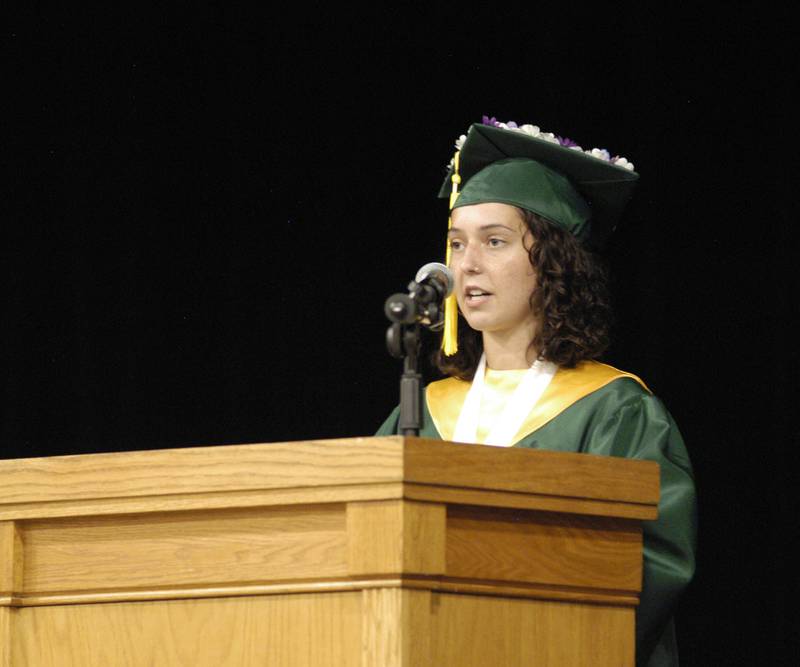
(571, 302)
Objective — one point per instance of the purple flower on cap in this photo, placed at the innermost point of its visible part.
(568, 143)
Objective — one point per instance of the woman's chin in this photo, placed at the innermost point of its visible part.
(478, 322)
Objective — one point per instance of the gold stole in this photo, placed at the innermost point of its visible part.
(568, 386)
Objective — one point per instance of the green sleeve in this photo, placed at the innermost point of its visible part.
(641, 428)
(390, 426)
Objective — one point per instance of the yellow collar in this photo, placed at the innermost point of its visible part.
(569, 385)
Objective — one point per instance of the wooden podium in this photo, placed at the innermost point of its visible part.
(375, 552)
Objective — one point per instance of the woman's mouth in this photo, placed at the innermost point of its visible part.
(476, 296)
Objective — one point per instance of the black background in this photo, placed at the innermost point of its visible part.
(207, 207)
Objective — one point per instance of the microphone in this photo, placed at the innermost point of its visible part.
(423, 303)
(438, 275)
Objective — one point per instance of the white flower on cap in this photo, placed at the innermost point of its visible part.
(622, 162)
(600, 154)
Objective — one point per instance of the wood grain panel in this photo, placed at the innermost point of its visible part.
(394, 536)
(531, 471)
(424, 526)
(528, 501)
(416, 624)
(152, 550)
(543, 548)
(195, 501)
(6, 634)
(291, 631)
(497, 588)
(201, 470)
(470, 631)
(395, 628)
(381, 630)
(11, 558)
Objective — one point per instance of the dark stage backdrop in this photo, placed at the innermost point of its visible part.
(206, 209)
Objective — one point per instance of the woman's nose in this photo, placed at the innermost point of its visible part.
(471, 261)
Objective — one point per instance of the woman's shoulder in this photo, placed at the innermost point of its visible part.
(594, 375)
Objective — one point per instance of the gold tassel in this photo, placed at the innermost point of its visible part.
(450, 337)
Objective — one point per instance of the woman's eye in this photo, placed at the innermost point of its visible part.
(496, 243)
(456, 245)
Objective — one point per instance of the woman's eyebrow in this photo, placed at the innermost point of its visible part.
(483, 228)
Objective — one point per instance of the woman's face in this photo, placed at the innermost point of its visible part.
(494, 278)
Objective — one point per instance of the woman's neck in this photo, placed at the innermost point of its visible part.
(507, 351)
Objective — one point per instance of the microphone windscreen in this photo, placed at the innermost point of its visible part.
(437, 271)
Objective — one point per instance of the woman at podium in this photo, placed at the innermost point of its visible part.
(525, 326)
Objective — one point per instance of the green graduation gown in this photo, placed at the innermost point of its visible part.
(622, 418)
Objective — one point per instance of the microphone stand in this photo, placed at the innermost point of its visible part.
(421, 306)
(403, 341)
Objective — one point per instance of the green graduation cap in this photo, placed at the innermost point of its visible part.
(583, 193)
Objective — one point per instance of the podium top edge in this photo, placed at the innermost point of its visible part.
(329, 463)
